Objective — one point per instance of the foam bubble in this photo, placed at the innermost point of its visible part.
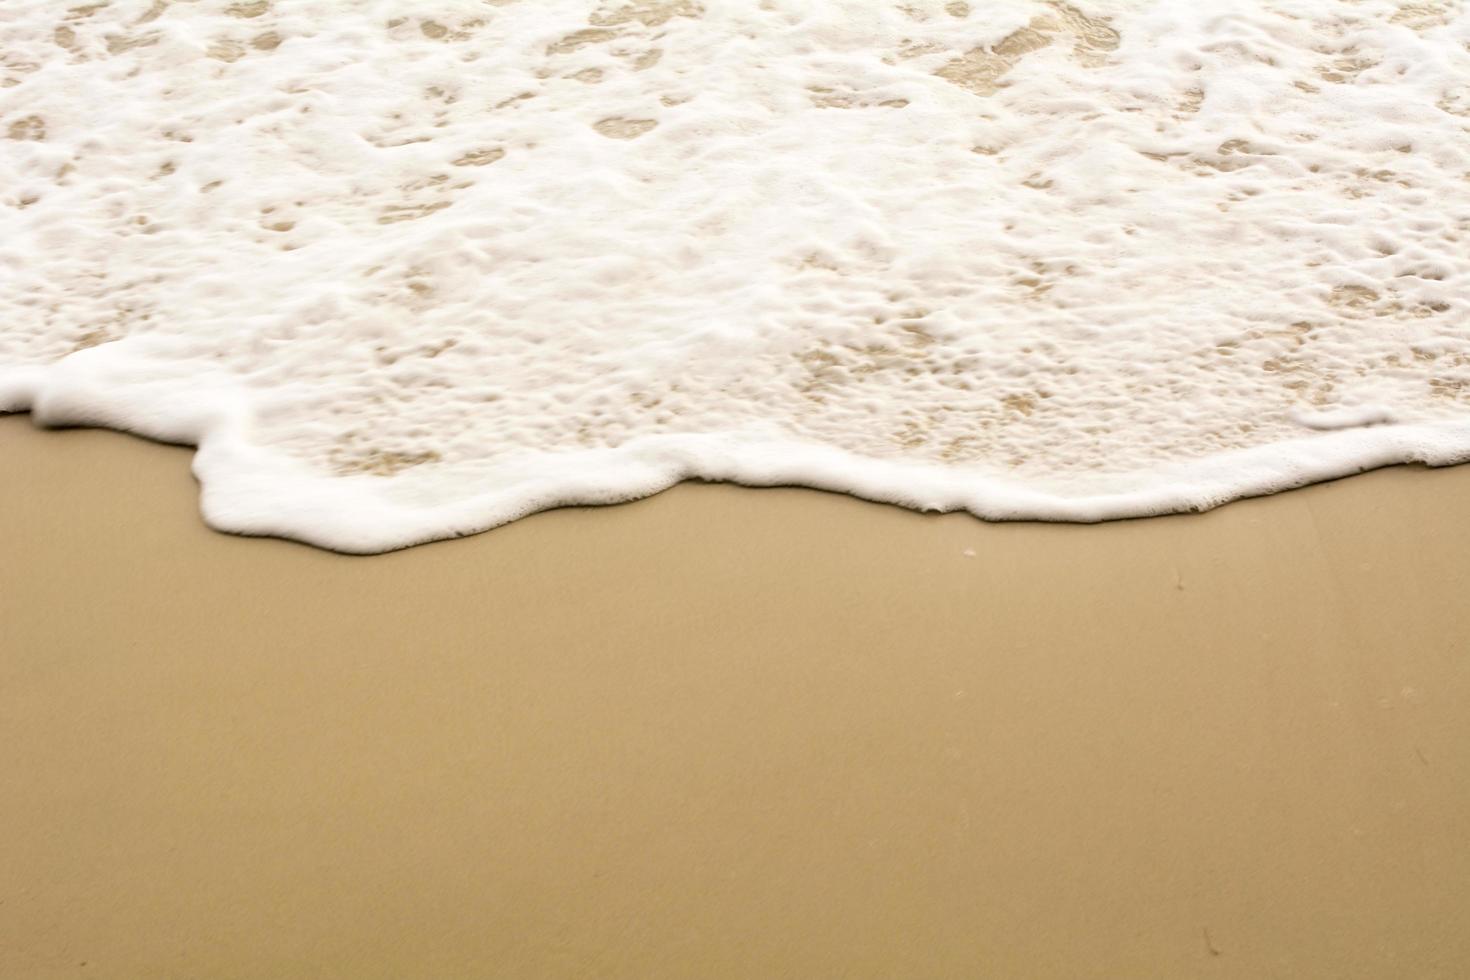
(407, 271)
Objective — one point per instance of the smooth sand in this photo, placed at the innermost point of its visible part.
(728, 732)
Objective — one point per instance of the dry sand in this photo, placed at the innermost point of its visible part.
(728, 732)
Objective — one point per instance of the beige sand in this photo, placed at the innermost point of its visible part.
(729, 732)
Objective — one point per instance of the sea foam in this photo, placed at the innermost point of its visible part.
(404, 271)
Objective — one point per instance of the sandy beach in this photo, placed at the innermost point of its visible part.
(732, 732)
(407, 271)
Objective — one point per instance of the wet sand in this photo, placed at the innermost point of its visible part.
(731, 732)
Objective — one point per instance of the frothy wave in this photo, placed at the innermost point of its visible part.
(408, 271)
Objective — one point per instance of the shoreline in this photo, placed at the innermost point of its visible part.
(333, 516)
(733, 732)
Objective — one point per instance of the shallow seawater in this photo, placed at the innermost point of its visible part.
(410, 270)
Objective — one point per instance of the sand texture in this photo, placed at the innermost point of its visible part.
(732, 732)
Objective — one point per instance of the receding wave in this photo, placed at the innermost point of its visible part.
(405, 271)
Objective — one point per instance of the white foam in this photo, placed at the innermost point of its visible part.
(407, 271)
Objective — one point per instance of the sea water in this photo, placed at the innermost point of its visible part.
(408, 270)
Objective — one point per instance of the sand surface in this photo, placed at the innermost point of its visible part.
(729, 732)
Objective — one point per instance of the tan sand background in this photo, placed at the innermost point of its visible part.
(730, 732)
